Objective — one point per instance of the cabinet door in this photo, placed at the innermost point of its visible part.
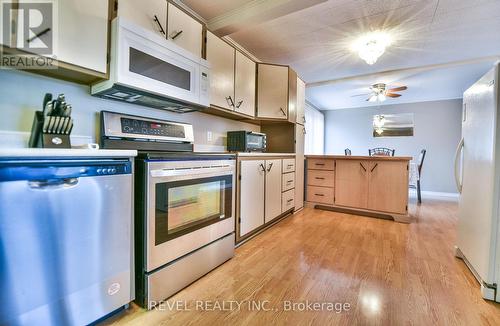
(83, 33)
(351, 183)
(388, 186)
(184, 30)
(251, 194)
(299, 166)
(244, 86)
(143, 13)
(272, 93)
(273, 190)
(220, 55)
(301, 101)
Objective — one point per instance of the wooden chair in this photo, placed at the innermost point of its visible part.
(347, 152)
(381, 151)
(420, 163)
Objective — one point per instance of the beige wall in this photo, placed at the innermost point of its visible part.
(21, 94)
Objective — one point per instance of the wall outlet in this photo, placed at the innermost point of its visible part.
(209, 136)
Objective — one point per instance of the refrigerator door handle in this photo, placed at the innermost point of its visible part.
(458, 177)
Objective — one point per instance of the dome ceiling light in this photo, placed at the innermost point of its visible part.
(372, 45)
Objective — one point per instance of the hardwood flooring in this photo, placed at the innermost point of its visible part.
(389, 273)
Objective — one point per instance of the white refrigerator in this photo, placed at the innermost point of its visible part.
(477, 172)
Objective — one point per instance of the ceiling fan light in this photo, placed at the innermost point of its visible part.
(373, 98)
(379, 131)
(381, 97)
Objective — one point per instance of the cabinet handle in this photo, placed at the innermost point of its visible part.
(230, 101)
(283, 111)
(159, 25)
(290, 166)
(304, 119)
(239, 104)
(175, 34)
(304, 130)
(321, 195)
(362, 166)
(262, 167)
(319, 178)
(270, 167)
(374, 167)
(289, 200)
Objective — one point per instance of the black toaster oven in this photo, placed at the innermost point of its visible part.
(246, 141)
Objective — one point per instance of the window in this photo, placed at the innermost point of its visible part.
(315, 131)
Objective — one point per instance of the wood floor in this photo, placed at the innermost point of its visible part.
(389, 273)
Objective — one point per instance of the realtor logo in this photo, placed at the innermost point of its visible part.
(29, 30)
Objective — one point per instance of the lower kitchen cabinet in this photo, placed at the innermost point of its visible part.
(264, 192)
(251, 195)
(273, 190)
(388, 187)
(351, 183)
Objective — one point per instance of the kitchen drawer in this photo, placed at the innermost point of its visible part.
(288, 181)
(287, 200)
(288, 165)
(322, 195)
(320, 178)
(320, 164)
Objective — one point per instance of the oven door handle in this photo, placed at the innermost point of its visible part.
(226, 170)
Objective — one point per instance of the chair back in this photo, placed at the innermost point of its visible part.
(347, 152)
(421, 159)
(381, 151)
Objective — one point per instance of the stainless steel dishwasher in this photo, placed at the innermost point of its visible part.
(65, 240)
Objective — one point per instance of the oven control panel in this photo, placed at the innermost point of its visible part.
(153, 128)
(135, 128)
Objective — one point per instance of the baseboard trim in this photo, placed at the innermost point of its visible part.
(432, 194)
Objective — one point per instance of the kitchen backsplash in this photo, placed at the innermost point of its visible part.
(21, 94)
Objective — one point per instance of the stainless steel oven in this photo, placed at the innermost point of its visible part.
(184, 204)
(189, 204)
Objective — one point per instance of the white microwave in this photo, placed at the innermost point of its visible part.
(149, 70)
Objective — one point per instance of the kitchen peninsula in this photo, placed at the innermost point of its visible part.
(366, 185)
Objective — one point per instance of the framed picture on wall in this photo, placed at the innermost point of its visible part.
(393, 125)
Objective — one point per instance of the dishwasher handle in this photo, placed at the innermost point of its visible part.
(53, 183)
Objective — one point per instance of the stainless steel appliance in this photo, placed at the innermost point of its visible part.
(246, 141)
(149, 70)
(65, 239)
(185, 204)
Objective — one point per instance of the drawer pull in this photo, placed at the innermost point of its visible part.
(319, 178)
(289, 181)
(320, 164)
(289, 166)
(321, 195)
(289, 200)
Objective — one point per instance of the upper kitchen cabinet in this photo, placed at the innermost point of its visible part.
(244, 86)
(83, 33)
(301, 101)
(276, 92)
(232, 83)
(77, 41)
(149, 14)
(221, 55)
(184, 30)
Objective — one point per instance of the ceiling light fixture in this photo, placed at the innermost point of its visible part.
(372, 45)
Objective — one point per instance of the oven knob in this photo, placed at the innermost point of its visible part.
(113, 170)
(99, 171)
(109, 171)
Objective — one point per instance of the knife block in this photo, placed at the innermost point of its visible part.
(40, 139)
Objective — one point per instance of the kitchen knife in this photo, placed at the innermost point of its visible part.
(56, 124)
(47, 98)
(70, 127)
(51, 124)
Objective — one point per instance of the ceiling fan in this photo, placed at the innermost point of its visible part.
(380, 92)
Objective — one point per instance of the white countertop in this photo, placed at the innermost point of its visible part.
(64, 153)
(258, 154)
